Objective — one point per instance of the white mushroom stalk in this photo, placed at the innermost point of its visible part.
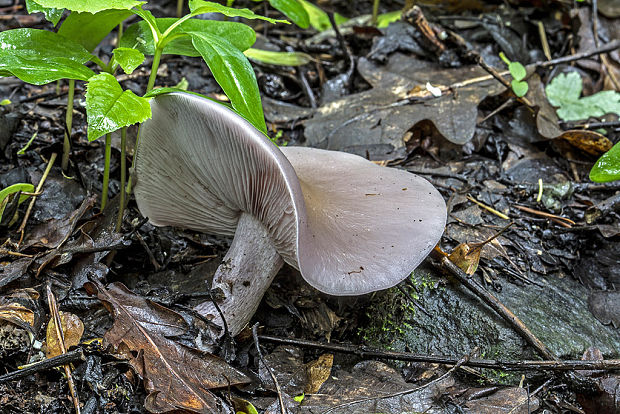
(349, 226)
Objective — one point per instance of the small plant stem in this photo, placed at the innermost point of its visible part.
(105, 67)
(119, 34)
(375, 12)
(154, 67)
(121, 209)
(106, 170)
(66, 146)
(179, 8)
(50, 164)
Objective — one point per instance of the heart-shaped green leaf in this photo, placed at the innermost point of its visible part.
(51, 14)
(109, 107)
(89, 29)
(607, 168)
(39, 57)
(139, 35)
(234, 74)
(90, 6)
(519, 87)
(200, 6)
(293, 10)
(129, 59)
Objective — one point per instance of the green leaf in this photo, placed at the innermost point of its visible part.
(519, 87)
(51, 14)
(90, 6)
(200, 6)
(90, 29)
(299, 398)
(517, 70)
(384, 20)
(564, 91)
(5, 102)
(318, 18)
(293, 10)
(278, 58)
(109, 107)
(607, 168)
(39, 56)
(564, 88)
(12, 189)
(234, 74)
(129, 59)
(162, 91)
(139, 35)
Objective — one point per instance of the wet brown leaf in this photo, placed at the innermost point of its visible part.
(14, 270)
(377, 120)
(605, 306)
(176, 377)
(72, 331)
(513, 400)
(589, 141)
(20, 308)
(53, 232)
(317, 372)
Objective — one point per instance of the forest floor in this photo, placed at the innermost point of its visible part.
(421, 94)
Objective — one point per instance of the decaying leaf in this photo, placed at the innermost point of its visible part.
(317, 372)
(378, 118)
(72, 330)
(589, 141)
(605, 306)
(176, 377)
(513, 400)
(19, 308)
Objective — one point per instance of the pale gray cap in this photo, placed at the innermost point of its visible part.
(350, 227)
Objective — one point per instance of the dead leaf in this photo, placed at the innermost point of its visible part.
(176, 377)
(513, 400)
(53, 233)
(72, 330)
(589, 141)
(605, 306)
(379, 118)
(317, 372)
(14, 270)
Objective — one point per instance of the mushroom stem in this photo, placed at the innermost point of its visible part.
(244, 275)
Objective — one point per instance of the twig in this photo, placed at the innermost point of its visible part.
(51, 301)
(490, 209)
(401, 393)
(369, 352)
(62, 359)
(50, 164)
(563, 221)
(446, 265)
(273, 377)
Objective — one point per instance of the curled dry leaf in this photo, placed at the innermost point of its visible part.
(72, 330)
(589, 141)
(176, 377)
(317, 372)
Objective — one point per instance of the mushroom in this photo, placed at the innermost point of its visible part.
(349, 226)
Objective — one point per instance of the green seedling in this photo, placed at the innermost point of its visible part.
(293, 9)
(318, 19)
(5, 102)
(21, 190)
(23, 150)
(518, 73)
(39, 57)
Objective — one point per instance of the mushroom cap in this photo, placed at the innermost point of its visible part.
(350, 227)
(368, 227)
